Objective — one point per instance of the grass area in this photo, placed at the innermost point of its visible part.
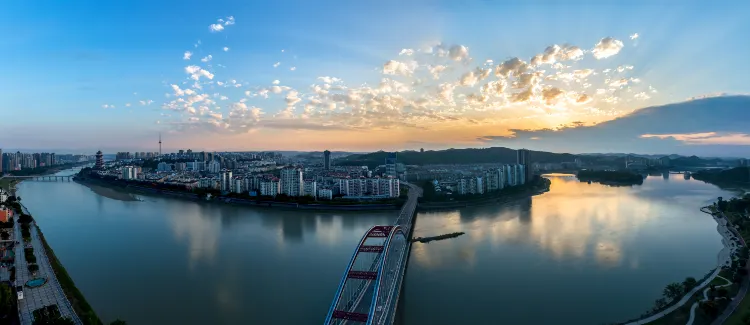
(76, 298)
(680, 315)
(739, 313)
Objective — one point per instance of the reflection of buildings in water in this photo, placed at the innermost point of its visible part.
(524, 211)
(574, 220)
(188, 223)
(291, 228)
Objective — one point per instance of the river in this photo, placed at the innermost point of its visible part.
(578, 254)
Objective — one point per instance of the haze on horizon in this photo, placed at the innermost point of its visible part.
(351, 76)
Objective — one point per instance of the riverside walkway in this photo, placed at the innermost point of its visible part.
(50, 293)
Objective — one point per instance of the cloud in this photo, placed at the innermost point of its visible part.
(187, 55)
(551, 95)
(634, 36)
(618, 83)
(606, 47)
(436, 70)
(458, 53)
(680, 128)
(511, 67)
(226, 49)
(407, 52)
(431, 88)
(197, 72)
(706, 138)
(216, 28)
(394, 67)
(555, 53)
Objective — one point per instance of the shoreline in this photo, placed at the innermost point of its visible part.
(237, 201)
(501, 200)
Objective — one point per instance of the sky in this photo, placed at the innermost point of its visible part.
(364, 76)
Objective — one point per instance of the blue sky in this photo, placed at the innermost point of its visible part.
(66, 61)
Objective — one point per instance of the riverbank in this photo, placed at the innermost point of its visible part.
(82, 308)
(437, 206)
(237, 201)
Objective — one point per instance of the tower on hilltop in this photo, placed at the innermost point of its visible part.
(99, 160)
(159, 143)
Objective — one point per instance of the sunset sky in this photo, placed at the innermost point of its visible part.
(359, 75)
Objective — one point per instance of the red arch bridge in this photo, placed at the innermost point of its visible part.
(371, 284)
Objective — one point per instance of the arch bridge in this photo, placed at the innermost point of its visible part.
(371, 285)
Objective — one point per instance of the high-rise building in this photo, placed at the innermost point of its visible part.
(226, 180)
(327, 160)
(99, 160)
(390, 165)
(523, 159)
(292, 183)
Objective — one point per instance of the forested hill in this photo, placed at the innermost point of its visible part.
(453, 156)
(734, 176)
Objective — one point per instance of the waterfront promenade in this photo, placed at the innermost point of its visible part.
(50, 293)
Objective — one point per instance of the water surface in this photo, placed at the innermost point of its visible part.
(579, 254)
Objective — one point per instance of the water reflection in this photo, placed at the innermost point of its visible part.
(606, 241)
(201, 232)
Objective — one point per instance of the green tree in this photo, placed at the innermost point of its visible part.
(118, 322)
(6, 299)
(673, 290)
(660, 303)
(689, 284)
(709, 307)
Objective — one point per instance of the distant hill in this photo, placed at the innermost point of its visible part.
(498, 155)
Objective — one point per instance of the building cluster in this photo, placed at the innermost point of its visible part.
(638, 163)
(10, 162)
(488, 178)
(493, 179)
(135, 155)
(257, 174)
(291, 181)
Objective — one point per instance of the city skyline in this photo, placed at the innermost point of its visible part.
(447, 77)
